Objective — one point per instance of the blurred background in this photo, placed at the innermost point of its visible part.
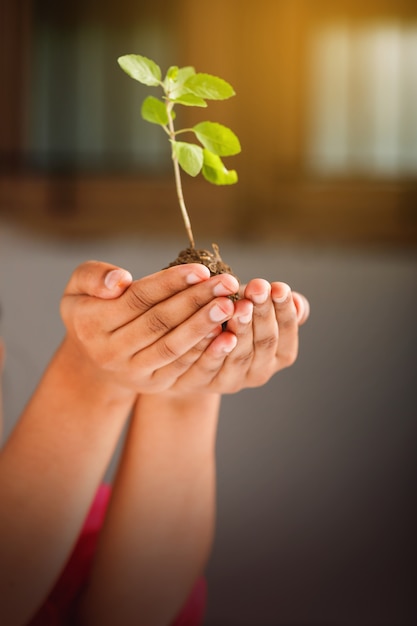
(316, 471)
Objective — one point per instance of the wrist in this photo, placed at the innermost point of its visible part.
(81, 373)
(184, 404)
(193, 417)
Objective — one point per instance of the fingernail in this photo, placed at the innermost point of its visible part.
(245, 319)
(283, 298)
(223, 290)
(228, 348)
(116, 278)
(192, 278)
(217, 314)
(260, 298)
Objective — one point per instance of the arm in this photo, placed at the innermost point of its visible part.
(116, 341)
(159, 530)
(160, 524)
(49, 469)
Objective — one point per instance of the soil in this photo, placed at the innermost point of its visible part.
(212, 260)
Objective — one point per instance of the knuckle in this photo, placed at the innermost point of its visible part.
(182, 363)
(289, 322)
(166, 351)
(196, 302)
(157, 324)
(211, 370)
(138, 299)
(193, 354)
(266, 343)
(289, 325)
(242, 359)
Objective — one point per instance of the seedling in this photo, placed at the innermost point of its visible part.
(184, 86)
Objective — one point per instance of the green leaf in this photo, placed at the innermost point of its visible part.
(172, 72)
(141, 69)
(184, 73)
(209, 87)
(170, 79)
(215, 172)
(176, 86)
(190, 100)
(189, 155)
(217, 138)
(154, 111)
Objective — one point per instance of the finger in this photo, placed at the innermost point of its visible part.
(242, 317)
(234, 371)
(181, 339)
(258, 291)
(264, 328)
(204, 373)
(167, 377)
(287, 320)
(95, 278)
(150, 290)
(140, 295)
(154, 323)
(302, 306)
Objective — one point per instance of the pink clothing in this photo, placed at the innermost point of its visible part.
(58, 608)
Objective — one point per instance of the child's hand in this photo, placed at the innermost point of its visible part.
(270, 343)
(128, 331)
(261, 339)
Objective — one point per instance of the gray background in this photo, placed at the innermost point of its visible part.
(316, 471)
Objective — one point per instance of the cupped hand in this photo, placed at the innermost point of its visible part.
(261, 339)
(128, 331)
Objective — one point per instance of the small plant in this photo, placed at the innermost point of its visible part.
(184, 86)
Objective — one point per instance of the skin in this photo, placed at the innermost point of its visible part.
(153, 349)
(169, 463)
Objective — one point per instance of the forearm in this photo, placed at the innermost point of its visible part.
(159, 529)
(49, 470)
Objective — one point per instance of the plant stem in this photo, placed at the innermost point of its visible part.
(178, 183)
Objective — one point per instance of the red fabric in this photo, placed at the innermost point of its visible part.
(58, 608)
(192, 613)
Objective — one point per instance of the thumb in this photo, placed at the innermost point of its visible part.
(95, 278)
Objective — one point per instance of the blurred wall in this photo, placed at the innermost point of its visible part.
(316, 471)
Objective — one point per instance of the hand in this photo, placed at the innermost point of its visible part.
(128, 331)
(268, 344)
(261, 339)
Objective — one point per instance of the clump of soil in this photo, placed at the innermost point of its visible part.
(212, 260)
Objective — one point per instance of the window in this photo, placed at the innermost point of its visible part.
(326, 113)
(363, 94)
(85, 112)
